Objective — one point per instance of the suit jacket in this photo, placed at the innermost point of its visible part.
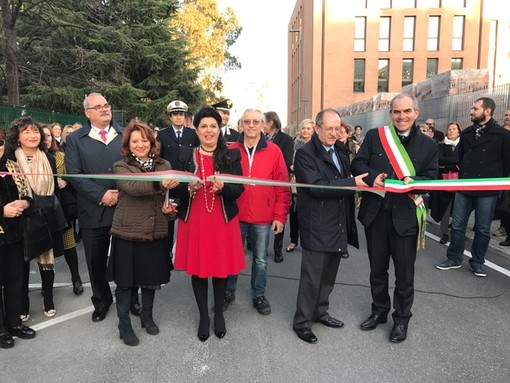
(286, 145)
(325, 216)
(372, 159)
(85, 155)
(170, 145)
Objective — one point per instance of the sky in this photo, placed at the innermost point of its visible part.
(262, 50)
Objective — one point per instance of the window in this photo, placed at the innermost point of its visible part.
(456, 4)
(458, 33)
(432, 65)
(408, 44)
(407, 71)
(383, 75)
(456, 63)
(384, 34)
(429, 3)
(359, 75)
(433, 38)
(359, 33)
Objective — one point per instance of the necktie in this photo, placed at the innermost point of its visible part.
(335, 160)
(102, 133)
(179, 135)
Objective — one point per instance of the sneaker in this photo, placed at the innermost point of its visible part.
(262, 305)
(229, 298)
(448, 264)
(478, 271)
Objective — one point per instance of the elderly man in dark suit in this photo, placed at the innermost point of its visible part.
(391, 224)
(326, 221)
(93, 149)
(172, 139)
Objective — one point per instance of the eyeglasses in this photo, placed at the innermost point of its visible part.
(430, 124)
(332, 130)
(249, 122)
(99, 108)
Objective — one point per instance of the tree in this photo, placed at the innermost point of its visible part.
(122, 49)
(209, 34)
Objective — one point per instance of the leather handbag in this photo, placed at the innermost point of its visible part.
(36, 235)
(52, 210)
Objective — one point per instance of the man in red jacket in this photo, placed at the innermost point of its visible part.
(261, 208)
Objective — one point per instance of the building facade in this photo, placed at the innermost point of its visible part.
(343, 52)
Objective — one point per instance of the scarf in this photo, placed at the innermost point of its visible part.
(41, 184)
(451, 142)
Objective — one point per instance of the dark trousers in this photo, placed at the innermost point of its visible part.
(293, 221)
(11, 284)
(171, 229)
(96, 243)
(318, 275)
(384, 243)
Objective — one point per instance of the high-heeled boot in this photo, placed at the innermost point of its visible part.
(123, 298)
(200, 290)
(72, 261)
(220, 287)
(47, 280)
(146, 315)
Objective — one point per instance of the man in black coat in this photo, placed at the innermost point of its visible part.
(223, 108)
(94, 149)
(172, 139)
(273, 132)
(326, 221)
(391, 225)
(484, 152)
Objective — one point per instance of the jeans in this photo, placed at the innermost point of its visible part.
(484, 212)
(259, 238)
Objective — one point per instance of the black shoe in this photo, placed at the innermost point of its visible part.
(203, 329)
(219, 326)
(229, 298)
(128, 336)
(77, 287)
(135, 309)
(262, 305)
(398, 333)
(22, 332)
(6, 340)
(278, 257)
(292, 246)
(306, 334)
(505, 242)
(99, 314)
(444, 239)
(326, 320)
(372, 321)
(345, 255)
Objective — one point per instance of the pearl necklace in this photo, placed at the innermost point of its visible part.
(202, 170)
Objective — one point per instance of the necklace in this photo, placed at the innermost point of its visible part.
(205, 150)
(202, 170)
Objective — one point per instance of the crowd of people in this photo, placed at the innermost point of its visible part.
(127, 226)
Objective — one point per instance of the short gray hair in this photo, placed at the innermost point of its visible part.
(255, 110)
(85, 102)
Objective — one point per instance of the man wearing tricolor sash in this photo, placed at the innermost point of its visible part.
(394, 224)
(484, 152)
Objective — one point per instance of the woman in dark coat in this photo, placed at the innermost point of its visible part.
(441, 202)
(13, 204)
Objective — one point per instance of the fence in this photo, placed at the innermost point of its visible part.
(443, 110)
(8, 113)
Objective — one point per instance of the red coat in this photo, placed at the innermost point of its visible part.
(263, 204)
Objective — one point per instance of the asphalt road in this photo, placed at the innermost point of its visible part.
(459, 332)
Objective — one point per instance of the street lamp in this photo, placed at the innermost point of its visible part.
(298, 30)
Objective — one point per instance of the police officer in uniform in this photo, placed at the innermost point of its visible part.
(223, 107)
(172, 139)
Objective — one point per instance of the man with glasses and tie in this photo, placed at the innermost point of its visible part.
(172, 139)
(326, 221)
(261, 208)
(94, 149)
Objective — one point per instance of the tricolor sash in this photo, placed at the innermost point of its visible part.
(403, 166)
